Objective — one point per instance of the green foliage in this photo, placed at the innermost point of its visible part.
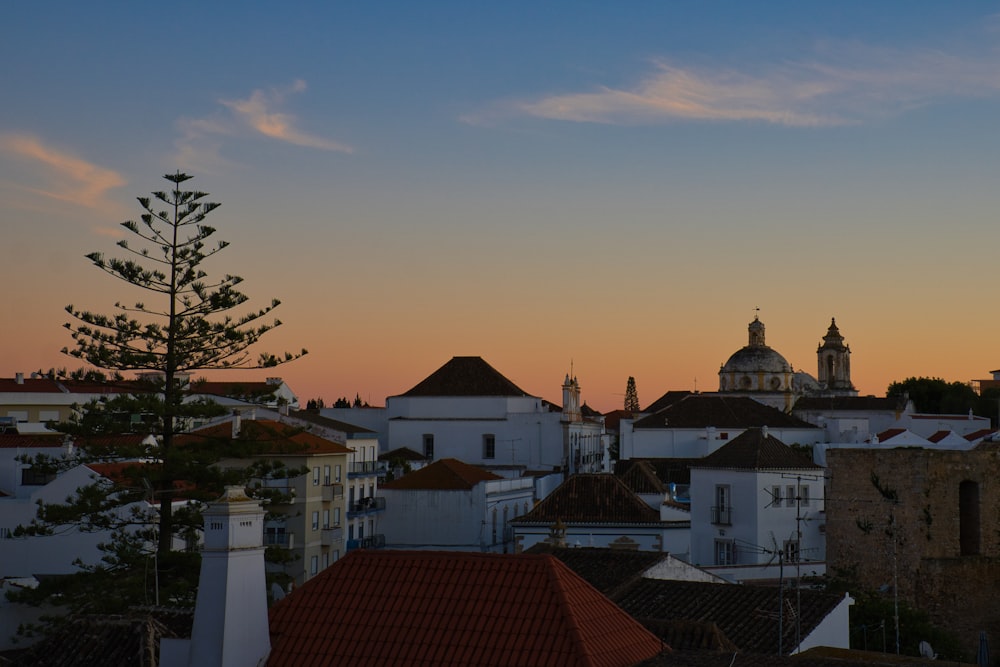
(936, 396)
(184, 322)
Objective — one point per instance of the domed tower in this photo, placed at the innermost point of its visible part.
(834, 360)
(758, 371)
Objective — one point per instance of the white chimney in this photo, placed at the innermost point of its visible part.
(237, 424)
(19, 378)
(230, 616)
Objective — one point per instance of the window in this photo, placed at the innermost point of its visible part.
(336, 516)
(336, 473)
(326, 560)
(776, 496)
(489, 446)
(326, 475)
(316, 476)
(336, 555)
(429, 445)
(274, 535)
(48, 416)
(790, 496)
(725, 552)
(36, 477)
(721, 513)
(326, 518)
(314, 565)
(804, 495)
(791, 551)
(315, 520)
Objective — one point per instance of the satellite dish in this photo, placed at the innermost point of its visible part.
(926, 651)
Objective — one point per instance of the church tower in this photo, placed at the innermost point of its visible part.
(834, 359)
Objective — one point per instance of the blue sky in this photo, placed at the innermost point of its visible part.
(612, 187)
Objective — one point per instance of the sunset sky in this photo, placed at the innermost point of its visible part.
(611, 188)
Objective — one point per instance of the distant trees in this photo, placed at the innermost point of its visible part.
(631, 396)
(936, 396)
(344, 402)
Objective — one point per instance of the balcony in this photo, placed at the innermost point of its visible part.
(362, 469)
(332, 492)
(332, 536)
(722, 516)
(366, 506)
(370, 542)
(279, 539)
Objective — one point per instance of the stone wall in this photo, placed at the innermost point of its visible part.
(928, 519)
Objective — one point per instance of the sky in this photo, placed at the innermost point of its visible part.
(602, 189)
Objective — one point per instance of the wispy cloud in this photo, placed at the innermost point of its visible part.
(58, 175)
(261, 113)
(840, 84)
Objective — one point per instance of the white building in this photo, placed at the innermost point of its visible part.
(452, 505)
(757, 504)
(468, 411)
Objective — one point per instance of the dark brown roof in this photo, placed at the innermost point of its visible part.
(314, 417)
(591, 498)
(666, 400)
(640, 477)
(442, 475)
(428, 608)
(852, 403)
(755, 450)
(402, 454)
(747, 615)
(719, 411)
(15, 440)
(607, 570)
(466, 376)
(99, 642)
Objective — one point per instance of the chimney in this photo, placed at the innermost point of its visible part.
(237, 424)
(19, 378)
(230, 617)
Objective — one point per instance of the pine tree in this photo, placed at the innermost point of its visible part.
(186, 324)
(631, 397)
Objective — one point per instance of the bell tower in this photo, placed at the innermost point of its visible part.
(834, 361)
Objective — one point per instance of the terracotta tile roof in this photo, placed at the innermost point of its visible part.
(30, 386)
(666, 400)
(253, 388)
(640, 477)
(938, 436)
(705, 410)
(890, 433)
(677, 470)
(607, 570)
(442, 475)
(591, 498)
(851, 403)
(613, 419)
(402, 454)
(274, 437)
(747, 615)
(14, 440)
(466, 376)
(452, 609)
(755, 450)
(981, 433)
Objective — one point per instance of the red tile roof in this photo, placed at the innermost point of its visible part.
(423, 608)
(442, 475)
(29, 386)
(275, 437)
(14, 440)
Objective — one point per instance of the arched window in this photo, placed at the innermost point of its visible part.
(968, 518)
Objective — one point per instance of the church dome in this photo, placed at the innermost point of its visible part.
(756, 359)
(756, 367)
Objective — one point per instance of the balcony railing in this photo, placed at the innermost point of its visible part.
(332, 536)
(722, 516)
(285, 540)
(363, 468)
(370, 542)
(366, 505)
(332, 492)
